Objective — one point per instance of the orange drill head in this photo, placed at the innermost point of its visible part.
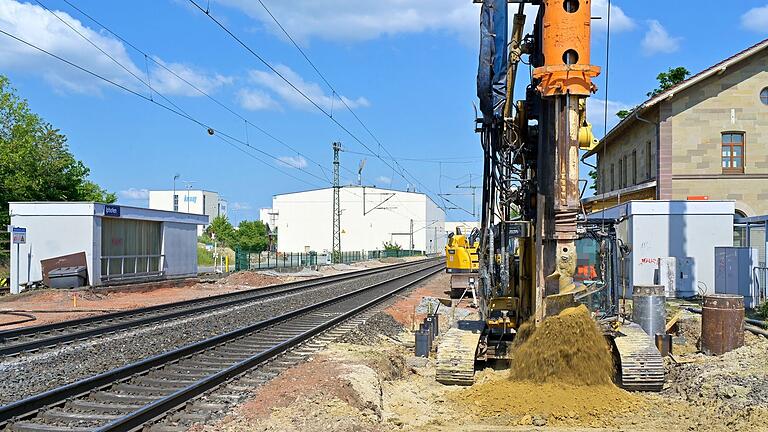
(566, 31)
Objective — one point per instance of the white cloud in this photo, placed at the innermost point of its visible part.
(384, 180)
(596, 113)
(756, 19)
(167, 83)
(619, 20)
(274, 83)
(355, 20)
(292, 161)
(134, 194)
(658, 40)
(237, 206)
(255, 100)
(41, 28)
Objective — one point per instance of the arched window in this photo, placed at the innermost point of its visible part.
(764, 96)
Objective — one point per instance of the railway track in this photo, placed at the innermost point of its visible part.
(138, 395)
(27, 339)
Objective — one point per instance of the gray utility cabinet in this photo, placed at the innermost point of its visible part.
(68, 277)
(734, 273)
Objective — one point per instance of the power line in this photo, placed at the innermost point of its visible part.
(335, 92)
(178, 112)
(160, 64)
(309, 99)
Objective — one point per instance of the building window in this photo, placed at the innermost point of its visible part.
(626, 171)
(648, 160)
(621, 174)
(733, 152)
(764, 96)
(175, 202)
(613, 182)
(634, 167)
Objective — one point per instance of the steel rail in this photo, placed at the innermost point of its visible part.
(28, 407)
(212, 303)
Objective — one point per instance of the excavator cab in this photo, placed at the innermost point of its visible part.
(461, 261)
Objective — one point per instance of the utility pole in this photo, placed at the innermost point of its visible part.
(174, 198)
(411, 235)
(474, 189)
(336, 249)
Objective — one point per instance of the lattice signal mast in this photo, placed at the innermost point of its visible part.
(336, 249)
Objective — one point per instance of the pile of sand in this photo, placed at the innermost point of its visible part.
(561, 372)
(567, 348)
(522, 401)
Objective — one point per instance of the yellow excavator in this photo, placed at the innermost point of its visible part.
(532, 221)
(462, 262)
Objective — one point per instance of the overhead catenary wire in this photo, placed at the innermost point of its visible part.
(173, 110)
(195, 87)
(336, 92)
(307, 97)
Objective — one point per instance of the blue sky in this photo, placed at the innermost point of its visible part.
(406, 68)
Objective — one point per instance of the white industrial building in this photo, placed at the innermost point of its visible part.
(370, 216)
(269, 217)
(201, 202)
(682, 235)
(113, 242)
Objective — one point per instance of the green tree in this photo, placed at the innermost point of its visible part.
(392, 246)
(252, 235)
(35, 161)
(622, 114)
(669, 79)
(593, 175)
(223, 230)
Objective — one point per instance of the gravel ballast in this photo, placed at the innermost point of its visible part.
(34, 373)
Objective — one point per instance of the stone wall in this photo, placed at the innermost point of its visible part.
(638, 138)
(727, 102)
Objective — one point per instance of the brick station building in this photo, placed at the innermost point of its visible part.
(705, 138)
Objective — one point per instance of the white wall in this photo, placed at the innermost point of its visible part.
(62, 228)
(686, 230)
(190, 201)
(71, 231)
(180, 249)
(305, 221)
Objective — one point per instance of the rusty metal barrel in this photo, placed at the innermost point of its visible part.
(649, 308)
(722, 323)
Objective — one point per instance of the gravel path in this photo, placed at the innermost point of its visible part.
(31, 374)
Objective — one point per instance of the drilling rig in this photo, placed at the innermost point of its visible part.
(531, 212)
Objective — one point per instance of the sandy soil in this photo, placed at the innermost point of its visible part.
(383, 387)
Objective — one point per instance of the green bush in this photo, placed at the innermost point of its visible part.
(204, 257)
(762, 310)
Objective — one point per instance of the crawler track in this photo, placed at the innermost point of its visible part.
(135, 396)
(17, 341)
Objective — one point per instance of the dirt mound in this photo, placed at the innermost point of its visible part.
(371, 331)
(567, 348)
(595, 406)
(250, 278)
